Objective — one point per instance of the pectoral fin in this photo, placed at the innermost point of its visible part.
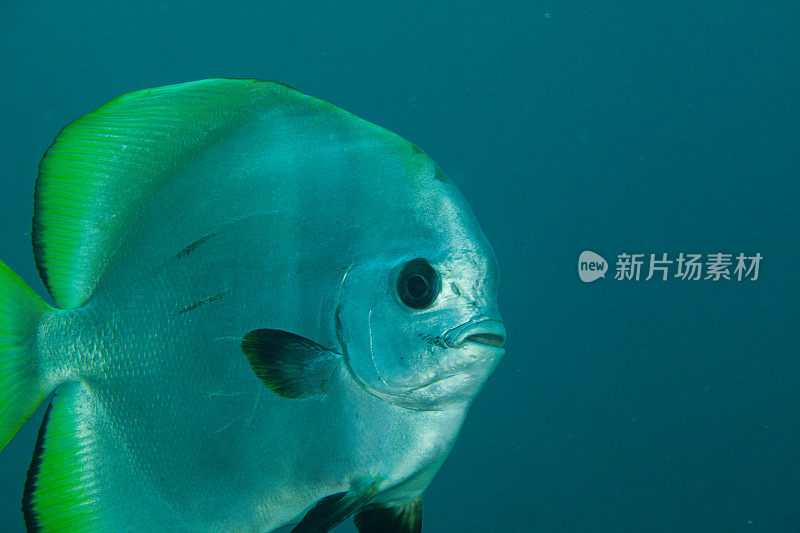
(332, 510)
(404, 517)
(288, 364)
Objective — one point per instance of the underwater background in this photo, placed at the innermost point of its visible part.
(616, 127)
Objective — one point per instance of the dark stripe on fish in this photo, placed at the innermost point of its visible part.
(202, 302)
(191, 248)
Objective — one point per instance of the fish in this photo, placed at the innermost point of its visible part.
(266, 312)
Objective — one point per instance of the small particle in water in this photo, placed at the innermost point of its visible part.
(548, 15)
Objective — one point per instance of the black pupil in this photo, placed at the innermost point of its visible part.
(416, 286)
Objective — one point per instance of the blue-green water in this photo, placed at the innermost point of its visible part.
(637, 127)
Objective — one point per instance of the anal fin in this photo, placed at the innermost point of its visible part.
(404, 517)
(82, 478)
(61, 491)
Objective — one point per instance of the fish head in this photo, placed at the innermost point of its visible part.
(418, 322)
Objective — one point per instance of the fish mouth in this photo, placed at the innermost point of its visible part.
(486, 332)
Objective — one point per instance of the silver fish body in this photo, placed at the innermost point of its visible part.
(273, 312)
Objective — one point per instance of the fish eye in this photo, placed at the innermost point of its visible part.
(418, 284)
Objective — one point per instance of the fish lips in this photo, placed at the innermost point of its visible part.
(473, 348)
(487, 334)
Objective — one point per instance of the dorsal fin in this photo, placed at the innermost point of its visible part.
(105, 164)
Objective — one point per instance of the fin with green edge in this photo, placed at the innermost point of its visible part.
(23, 385)
(82, 478)
(104, 166)
(62, 488)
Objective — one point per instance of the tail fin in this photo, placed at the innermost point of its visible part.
(22, 381)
